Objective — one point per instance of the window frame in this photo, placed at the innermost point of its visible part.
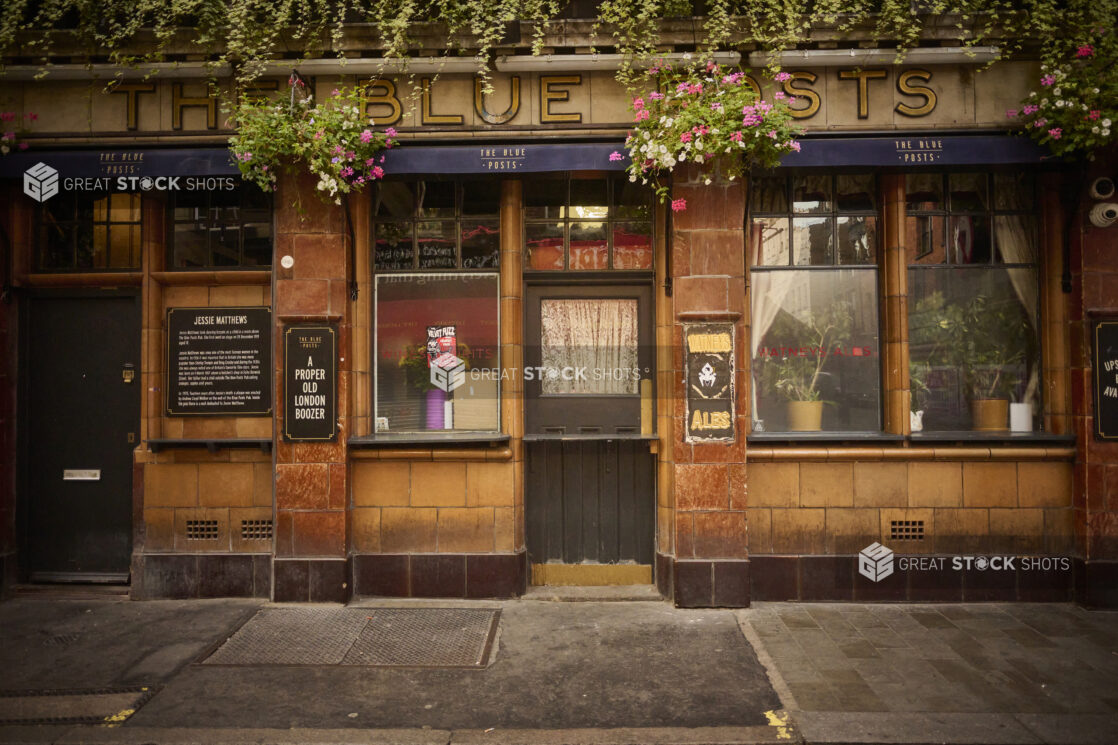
(73, 224)
(212, 224)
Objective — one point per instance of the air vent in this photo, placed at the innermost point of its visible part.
(906, 530)
(201, 530)
(256, 530)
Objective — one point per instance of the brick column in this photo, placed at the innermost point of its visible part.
(310, 478)
(894, 303)
(709, 479)
(1094, 296)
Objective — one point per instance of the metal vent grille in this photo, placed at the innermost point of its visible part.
(201, 530)
(906, 530)
(256, 530)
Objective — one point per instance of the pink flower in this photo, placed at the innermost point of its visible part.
(378, 172)
(369, 162)
(318, 134)
(615, 156)
(1030, 108)
(638, 104)
(350, 155)
(1011, 113)
(366, 136)
(335, 92)
(772, 134)
(1040, 123)
(736, 136)
(347, 171)
(1085, 51)
(1093, 114)
(1047, 80)
(685, 137)
(780, 77)
(7, 116)
(641, 115)
(295, 81)
(390, 132)
(1055, 133)
(716, 106)
(710, 65)
(779, 95)
(794, 145)
(338, 150)
(23, 146)
(678, 205)
(8, 136)
(655, 95)
(264, 168)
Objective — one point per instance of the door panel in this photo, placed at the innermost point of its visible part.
(81, 415)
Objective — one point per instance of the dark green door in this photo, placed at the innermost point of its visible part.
(83, 418)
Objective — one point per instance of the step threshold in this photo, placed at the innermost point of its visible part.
(592, 594)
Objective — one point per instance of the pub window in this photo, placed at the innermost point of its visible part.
(587, 224)
(436, 247)
(226, 228)
(79, 231)
(974, 349)
(815, 331)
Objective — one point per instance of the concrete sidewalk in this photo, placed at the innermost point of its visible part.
(576, 673)
(975, 673)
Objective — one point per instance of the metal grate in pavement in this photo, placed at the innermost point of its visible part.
(425, 637)
(106, 706)
(396, 637)
(293, 636)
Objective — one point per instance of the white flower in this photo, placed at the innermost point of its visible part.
(683, 156)
(1106, 122)
(647, 136)
(1106, 133)
(1044, 102)
(1095, 91)
(1059, 104)
(727, 148)
(731, 178)
(1094, 130)
(714, 131)
(632, 178)
(707, 181)
(698, 159)
(686, 55)
(670, 122)
(1056, 91)
(1032, 94)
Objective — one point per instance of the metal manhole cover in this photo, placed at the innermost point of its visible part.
(399, 637)
(110, 706)
(425, 637)
(293, 636)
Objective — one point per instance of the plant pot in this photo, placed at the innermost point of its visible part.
(1021, 417)
(989, 414)
(805, 416)
(436, 409)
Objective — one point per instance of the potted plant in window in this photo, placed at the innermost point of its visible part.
(991, 340)
(799, 368)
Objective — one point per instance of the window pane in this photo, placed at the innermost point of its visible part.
(923, 192)
(588, 199)
(257, 250)
(83, 243)
(125, 208)
(632, 245)
(191, 205)
(394, 199)
(972, 336)
(968, 239)
(857, 240)
(967, 192)
(589, 245)
(1016, 238)
(769, 238)
(481, 197)
(855, 193)
(811, 194)
(545, 198)
(631, 199)
(56, 243)
(924, 239)
(460, 310)
(811, 241)
(124, 246)
(597, 335)
(225, 245)
(1013, 191)
(438, 244)
(815, 339)
(392, 246)
(435, 198)
(770, 195)
(481, 244)
(544, 243)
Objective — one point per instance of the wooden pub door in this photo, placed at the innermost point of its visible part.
(590, 485)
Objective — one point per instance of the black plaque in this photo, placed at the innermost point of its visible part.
(310, 383)
(1106, 380)
(709, 348)
(219, 361)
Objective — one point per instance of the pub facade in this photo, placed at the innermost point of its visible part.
(876, 372)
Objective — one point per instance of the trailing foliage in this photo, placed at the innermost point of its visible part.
(248, 33)
(700, 113)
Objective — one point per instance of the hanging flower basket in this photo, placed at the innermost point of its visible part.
(701, 113)
(332, 140)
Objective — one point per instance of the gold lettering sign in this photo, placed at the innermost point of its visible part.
(807, 93)
(386, 97)
(132, 90)
(710, 343)
(426, 116)
(508, 114)
(548, 94)
(180, 102)
(863, 77)
(710, 420)
(929, 96)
